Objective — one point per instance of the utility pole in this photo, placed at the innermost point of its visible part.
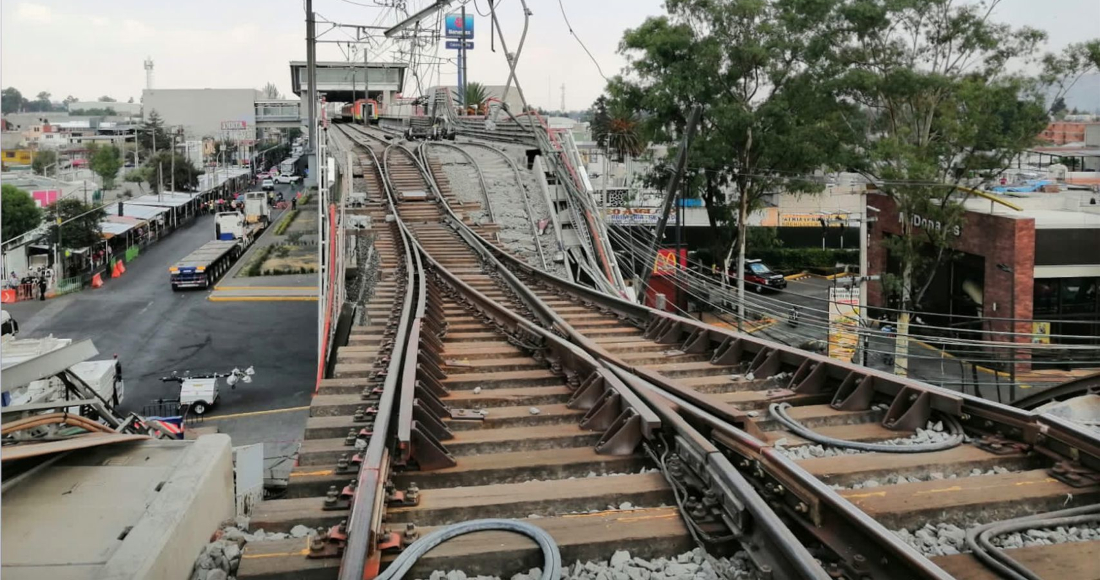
(366, 77)
(563, 98)
(311, 92)
(670, 194)
(172, 172)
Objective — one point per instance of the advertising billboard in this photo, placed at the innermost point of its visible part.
(457, 27)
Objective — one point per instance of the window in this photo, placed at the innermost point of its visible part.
(759, 268)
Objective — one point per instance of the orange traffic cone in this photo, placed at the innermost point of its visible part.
(121, 267)
(116, 272)
(97, 281)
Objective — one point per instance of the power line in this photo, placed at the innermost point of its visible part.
(579, 41)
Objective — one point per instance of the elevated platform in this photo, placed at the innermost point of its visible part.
(338, 79)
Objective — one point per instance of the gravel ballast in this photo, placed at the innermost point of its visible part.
(693, 565)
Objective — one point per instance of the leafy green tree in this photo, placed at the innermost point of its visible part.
(623, 137)
(106, 99)
(760, 70)
(187, 175)
(137, 176)
(80, 222)
(938, 106)
(42, 102)
(97, 112)
(20, 214)
(69, 100)
(106, 161)
(12, 101)
(601, 120)
(45, 162)
(152, 131)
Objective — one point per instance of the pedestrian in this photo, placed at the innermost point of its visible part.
(41, 287)
(293, 203)
(118, 369)
(13, 282)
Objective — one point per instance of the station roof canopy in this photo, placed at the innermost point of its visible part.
(336, 79)
(166, 199)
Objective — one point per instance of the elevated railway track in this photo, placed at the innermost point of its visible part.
(482, 387)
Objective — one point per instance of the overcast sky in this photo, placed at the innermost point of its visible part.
(89, 48)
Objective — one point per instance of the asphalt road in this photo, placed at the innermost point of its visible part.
(156, 331)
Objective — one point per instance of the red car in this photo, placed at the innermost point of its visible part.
(759, 277)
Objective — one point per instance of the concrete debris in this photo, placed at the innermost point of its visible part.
(477, 390)
(300, 531)
(693, 565)
(534, 410)
(626, 506)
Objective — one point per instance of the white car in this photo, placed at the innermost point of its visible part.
(268, 184)
(286, 178)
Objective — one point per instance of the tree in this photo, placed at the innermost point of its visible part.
(622, 133)
(601, 119)
(80, 222)
(153, 125)
(270, 91)
(475, 95)
(12, 101)
(106, 161)
(42, 102)
(45, 162)
(760, 71)
(20, 214)
(69, 100)
(187, 175)
(95, 112)
(106, 99)
(138, 176)
(1058, 109)
(131, 101)
(937, 107)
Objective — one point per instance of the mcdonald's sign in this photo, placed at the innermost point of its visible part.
(666, 263)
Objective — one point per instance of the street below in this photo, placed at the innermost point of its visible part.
(156, 331)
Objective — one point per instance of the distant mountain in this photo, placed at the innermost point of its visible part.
(1085, 95)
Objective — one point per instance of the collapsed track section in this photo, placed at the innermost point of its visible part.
(512, 382)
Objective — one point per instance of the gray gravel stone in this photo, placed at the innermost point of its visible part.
(217, 575)
(299, 531)
(620, 558)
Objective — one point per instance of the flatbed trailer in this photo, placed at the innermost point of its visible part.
(203, 267)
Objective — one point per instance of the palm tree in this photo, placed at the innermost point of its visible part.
(476, 95)
(622, 133)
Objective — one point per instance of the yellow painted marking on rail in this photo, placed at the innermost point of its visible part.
(312, 473)
(265, 287)
(941, 490)
(642, 516)
(262, 299)
(303, 552)
(255, 413)
(863, 495)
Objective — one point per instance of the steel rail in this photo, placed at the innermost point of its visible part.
(477, 169)
(526, 199)
(1062, 441)
(361, 556)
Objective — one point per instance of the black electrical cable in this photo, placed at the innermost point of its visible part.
(979, 539)
(779, 412)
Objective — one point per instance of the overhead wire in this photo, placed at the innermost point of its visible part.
(579, 41)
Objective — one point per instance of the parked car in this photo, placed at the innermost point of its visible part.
(759, 277)
(268, 184)
(286, 178)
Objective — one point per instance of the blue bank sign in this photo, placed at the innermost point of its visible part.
(455, 26)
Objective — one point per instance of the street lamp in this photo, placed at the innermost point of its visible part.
(1012, 323)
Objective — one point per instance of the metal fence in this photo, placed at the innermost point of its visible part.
(69, 285)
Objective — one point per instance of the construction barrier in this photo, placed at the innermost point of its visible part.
(121, 267)
(131, 253)
(97, 280)
(7, 296)
(116, 270)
